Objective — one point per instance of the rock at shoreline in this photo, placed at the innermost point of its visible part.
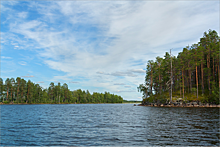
(207, 105)
(194, 103)
(179, 104)
(11, 103)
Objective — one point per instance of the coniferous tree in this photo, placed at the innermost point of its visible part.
(195, 72)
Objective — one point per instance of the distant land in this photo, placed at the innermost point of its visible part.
(20, 91)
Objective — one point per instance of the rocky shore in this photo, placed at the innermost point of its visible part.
(180, 104)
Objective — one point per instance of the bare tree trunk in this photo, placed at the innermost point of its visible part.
(7, 94)
(11, 96)
(218, 77)
(197, 82)
(202, 78)
(151, 80)
(160, 81)
(208, 66)
(183, 82)
(190, 83)
(187, 82)
(17, 93)
(180, 86)
(216, 70)
(213, 73)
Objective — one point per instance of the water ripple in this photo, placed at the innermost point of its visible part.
(108, 125)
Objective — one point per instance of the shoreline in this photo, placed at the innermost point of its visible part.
(187, 106)
(62, 103)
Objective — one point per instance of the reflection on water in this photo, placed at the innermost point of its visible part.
(108, 124)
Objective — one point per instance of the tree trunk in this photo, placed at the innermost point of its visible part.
(219, 77)
(17, 94)
(202, 78)
(216, 71)
(160, 81)
(187, 82)
(213, 73)
(11, 95)
(180, 85)
(7, 94)
(183, 82)
(151, 80)
(208, 66)
(190, 83)
(197, 93)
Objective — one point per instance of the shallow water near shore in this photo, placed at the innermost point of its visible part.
(108, 125)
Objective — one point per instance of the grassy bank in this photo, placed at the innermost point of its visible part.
(188, 97)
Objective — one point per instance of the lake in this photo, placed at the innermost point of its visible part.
(107, 125)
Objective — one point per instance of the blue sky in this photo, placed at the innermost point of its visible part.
(97, 45)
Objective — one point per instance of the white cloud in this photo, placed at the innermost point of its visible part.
(126, 35)
(23, 14)
(22, 63)
(7, 71)
(40, 82)
(28, 76)
(126, 91)
(129, 73)
(66, 78)
(73, 82)
(119, 84)
(4, 57)
(138, 70)
(127, 86)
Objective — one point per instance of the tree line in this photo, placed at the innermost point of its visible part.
(195, 73)
(22, 91)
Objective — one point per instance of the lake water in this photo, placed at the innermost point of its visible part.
(107, 125)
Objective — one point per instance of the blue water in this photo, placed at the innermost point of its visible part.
(107, 125)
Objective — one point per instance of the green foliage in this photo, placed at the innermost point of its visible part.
(20, 91)
(214, 98)
(131, 101)
(195, 73)
(6, 102)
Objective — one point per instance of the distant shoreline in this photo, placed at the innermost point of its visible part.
(62, 103)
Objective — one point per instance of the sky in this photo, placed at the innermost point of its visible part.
(97, 45)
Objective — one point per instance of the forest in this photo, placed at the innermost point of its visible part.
(20, 91)
(195, 73)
